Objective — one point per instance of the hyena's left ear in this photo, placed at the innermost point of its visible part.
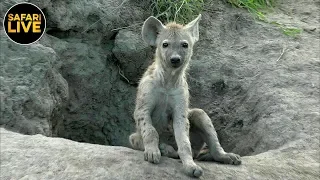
(193, 28)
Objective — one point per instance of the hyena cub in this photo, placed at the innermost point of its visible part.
(162, 104)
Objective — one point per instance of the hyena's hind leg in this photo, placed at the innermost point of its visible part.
(136, 141)
(202, 125)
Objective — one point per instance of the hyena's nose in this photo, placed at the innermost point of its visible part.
(175, 60)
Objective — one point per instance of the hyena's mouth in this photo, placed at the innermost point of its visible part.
(176, 65)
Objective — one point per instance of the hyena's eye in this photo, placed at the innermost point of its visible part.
(185, 45)
(165, 45)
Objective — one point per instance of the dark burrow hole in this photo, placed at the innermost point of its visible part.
(225, 104)
(231, 115)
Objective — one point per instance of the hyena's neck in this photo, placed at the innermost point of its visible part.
(170, 77)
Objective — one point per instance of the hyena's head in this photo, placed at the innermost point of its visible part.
(174, 42)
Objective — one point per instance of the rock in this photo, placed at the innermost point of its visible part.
(133, 54)
(4, 7)
(32, 89)
(260, 88)
(39, 157)
(42, 4)
(92, 20)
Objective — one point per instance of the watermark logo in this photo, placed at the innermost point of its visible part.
(24, 23)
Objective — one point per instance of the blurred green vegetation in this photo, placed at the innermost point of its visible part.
(257, 7)
(180, 11)
(183, 11)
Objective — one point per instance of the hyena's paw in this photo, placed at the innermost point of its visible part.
(168, 151)
(228, 158)
(152, 155)
(193, 170)
(135, 140)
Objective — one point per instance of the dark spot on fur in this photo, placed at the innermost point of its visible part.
(140, 119)
(143, 131)
(141, 105)
(183, 116)
(144, 123)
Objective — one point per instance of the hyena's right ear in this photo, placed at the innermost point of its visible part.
(150, 29)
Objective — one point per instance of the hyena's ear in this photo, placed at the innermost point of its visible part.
(150, 29)
(193, 28)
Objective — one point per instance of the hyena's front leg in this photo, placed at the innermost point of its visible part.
(149, 134)
(181, 132)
